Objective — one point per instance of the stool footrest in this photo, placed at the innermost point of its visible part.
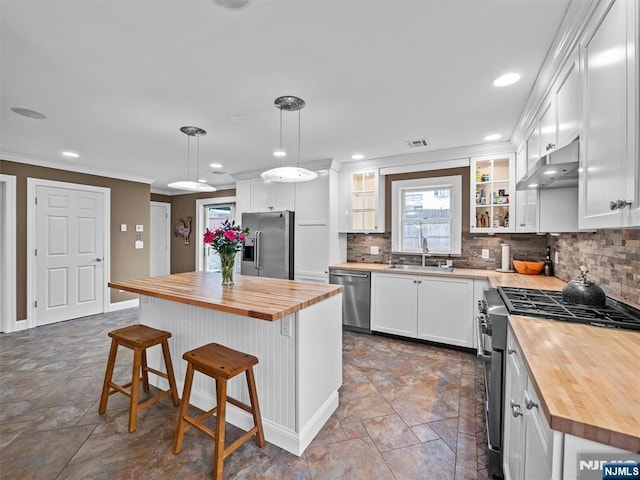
(234, 446)
(154, 399)
(239, 404)
(157, 372)
(120, 388)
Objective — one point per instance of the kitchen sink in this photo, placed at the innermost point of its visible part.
(420, 268)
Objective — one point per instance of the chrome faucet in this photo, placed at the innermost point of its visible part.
(425, 250)
(389, 258)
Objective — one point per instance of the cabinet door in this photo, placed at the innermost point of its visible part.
(243, 197)
(548, 121)
(514, 426)
(361, 202)
(609, 142)
(445, 310)
(394, 304)
(533, 146)
(271, 196)
(526, 200)
(492, 193)
(538, 437)
(568, 104)
(312, 200)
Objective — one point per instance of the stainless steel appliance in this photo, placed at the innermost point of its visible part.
(356, 298)
(268, 249)
(497, 305)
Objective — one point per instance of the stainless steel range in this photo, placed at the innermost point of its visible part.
(497, 305)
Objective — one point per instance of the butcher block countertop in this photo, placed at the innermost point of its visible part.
(495, 278)
(587, 378)
(256, 297)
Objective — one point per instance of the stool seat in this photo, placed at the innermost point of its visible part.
(138, 338)
(217, 360)
(220, 363)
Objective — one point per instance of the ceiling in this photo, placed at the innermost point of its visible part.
(117, 79)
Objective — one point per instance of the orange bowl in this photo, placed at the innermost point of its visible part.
(528, 267)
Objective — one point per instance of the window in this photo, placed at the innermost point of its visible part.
(427, 208)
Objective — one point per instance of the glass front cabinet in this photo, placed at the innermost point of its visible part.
(362, 202)
(492, 193)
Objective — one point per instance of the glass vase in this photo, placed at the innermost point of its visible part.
(227, 261)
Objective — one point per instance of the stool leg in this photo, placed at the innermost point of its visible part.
(145, 371)
(184, 406)
(108, 376)
(170, 375)
(218, 454)
(135, 388)
(253, 396)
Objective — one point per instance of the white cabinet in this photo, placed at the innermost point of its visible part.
(548, 127)
(272, 196)
(514, 422)
(492, 186)
(526, 200)
(567, 98)
(609, 166)
(445, 310)
(439, 309)
(361, 208)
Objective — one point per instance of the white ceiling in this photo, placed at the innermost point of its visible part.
(117, 79)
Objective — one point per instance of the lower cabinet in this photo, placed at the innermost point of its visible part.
(439, 309)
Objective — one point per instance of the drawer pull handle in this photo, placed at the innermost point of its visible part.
(511, 351)
(530, 404)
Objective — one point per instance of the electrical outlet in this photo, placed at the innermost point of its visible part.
(485, 254)
(285, 327)
(374, 250)
(556, 258)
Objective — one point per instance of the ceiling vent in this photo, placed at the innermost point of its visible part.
(217, 172)
(418, 143)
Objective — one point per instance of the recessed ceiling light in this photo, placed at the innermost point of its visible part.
(215, 165)
(492, 137)
(236, 118)
(533, 185)
(357, 156)
(70, 154)
(233, 4)
(279, 153)
(25, 112)
(506, 79)
(549, 172)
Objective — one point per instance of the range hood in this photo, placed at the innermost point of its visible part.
(557, 169)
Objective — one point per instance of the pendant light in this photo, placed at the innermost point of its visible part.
(188, 184)
(289, 103)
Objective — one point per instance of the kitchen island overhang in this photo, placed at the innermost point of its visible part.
(294, 328)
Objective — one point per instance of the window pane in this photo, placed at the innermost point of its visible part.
(427, 203)
(427, 214)
(369, 200)
(369, 220)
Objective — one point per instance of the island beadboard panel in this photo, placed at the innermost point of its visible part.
(590, 396)
(255, 297)
(192, 327)
(612, 257)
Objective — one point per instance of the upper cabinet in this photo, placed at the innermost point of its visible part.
(609, 171)
(567, 100)
(526, 200)
(361, 207)
(492, 186)
(271, 196)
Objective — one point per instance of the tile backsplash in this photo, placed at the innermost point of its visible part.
(612, 256)
(523, 246)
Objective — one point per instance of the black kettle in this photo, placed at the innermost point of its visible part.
(582, 292)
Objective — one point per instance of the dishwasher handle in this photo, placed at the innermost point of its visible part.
(359, 275)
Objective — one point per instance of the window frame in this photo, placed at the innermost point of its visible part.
(399, 187)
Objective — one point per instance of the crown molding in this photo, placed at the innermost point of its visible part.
(562, 49)
(43, 162)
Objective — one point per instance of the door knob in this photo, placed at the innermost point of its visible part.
(98, 259)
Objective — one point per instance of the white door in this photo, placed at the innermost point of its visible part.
(69, 254)
(159, 239)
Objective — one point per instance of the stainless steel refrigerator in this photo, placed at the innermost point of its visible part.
(268, 249)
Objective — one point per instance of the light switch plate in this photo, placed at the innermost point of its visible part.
(123, 227)
(374, 250)
(139, 228)
(139, 244)
(485, 254)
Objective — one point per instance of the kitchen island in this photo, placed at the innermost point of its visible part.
(294, 328)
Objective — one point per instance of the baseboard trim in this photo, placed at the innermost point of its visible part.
(114, 307)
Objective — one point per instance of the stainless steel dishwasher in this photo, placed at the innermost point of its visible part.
(356, 298)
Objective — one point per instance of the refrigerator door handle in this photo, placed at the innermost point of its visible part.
(256, 261)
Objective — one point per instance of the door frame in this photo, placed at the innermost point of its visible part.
(32, 184)
(200, 203)
(167, 208)
(9, 320)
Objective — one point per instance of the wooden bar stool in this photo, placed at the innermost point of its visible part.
(138, 338)
(221, 363)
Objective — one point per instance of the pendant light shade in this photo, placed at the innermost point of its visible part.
(289, 174)
(188, 184)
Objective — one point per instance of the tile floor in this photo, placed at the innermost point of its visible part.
(407, 411)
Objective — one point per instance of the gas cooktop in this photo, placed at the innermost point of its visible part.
(548, 304)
